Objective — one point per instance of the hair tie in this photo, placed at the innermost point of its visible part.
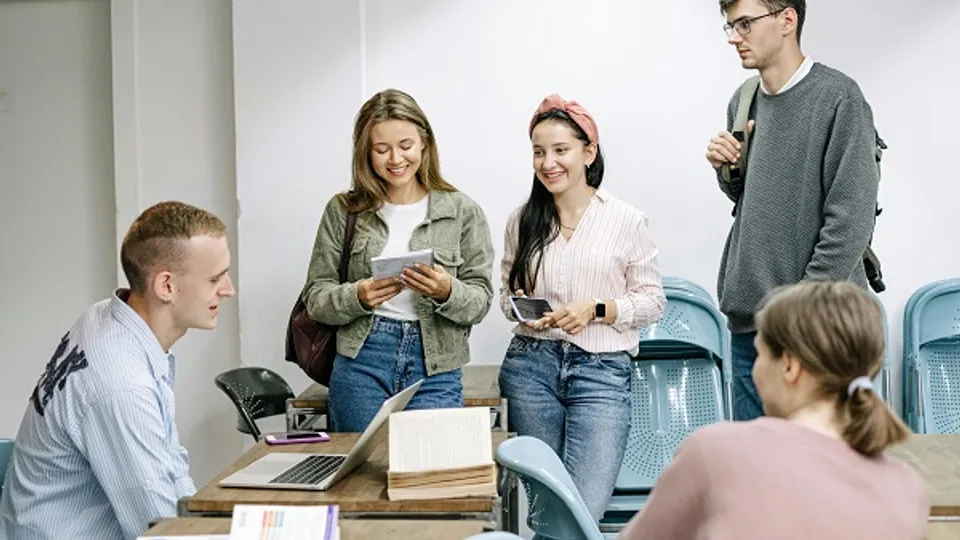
(859, 383)
(578, 114)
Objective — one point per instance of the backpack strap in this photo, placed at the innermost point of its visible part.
(736, 172)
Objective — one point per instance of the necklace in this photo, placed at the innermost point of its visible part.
(568, 228)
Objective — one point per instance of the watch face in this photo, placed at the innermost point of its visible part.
(601, 310)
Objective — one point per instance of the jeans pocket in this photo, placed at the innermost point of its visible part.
(520, 345)
(615, 367)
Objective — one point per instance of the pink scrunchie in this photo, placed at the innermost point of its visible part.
(573, 109)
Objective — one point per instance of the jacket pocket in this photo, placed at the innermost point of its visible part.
(449, 259)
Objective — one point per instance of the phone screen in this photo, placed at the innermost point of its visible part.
(299, 435)
(530, 309)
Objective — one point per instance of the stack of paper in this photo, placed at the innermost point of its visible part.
(441, 454)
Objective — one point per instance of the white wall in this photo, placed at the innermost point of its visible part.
(656, 76)
(290, 167)
(173, 84)
(56, 183)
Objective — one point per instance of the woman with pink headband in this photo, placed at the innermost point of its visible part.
(590, 256)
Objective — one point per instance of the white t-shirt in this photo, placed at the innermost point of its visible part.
(401, 220)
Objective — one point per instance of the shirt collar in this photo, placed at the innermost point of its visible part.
(161, 363)
(602, 194)
(798, 76)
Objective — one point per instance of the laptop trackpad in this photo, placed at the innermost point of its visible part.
(271, 465)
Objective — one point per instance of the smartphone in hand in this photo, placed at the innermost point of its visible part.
(297, 437)
(529, 309)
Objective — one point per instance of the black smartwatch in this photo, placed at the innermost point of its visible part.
(600, 310)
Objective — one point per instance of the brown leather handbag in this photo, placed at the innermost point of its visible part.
(310, 344)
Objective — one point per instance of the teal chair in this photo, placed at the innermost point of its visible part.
(6, 450)
(931, 350)
(911, 382)
(555, 509)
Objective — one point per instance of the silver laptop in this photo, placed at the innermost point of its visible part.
(317, 472)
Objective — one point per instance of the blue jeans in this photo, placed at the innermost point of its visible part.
(746, 401)
(390, 360)
(576, 402)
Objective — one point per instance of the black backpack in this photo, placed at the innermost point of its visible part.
(735, 173)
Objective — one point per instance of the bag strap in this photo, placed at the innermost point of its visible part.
(348, 233)
(747, 92)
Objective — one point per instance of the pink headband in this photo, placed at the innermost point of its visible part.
(573, 109)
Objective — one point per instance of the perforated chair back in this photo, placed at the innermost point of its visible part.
(256, 393)
(670, 400)
(932, 356)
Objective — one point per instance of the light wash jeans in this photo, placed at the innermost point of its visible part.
(576, 402)
(746, 400)
(390, 360)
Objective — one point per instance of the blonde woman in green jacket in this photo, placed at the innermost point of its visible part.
(394, 331)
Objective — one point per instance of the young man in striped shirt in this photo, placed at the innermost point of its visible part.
(98, 455)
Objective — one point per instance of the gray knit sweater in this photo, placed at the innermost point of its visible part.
(807, 208)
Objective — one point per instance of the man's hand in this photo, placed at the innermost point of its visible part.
(724, 148)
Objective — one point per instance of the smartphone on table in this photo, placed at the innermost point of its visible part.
(296, 437)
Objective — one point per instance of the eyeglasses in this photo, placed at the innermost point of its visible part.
(742, 26)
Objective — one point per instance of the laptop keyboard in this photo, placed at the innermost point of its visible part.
(312, 470)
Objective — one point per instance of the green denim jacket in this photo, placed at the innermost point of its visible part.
(456, 228)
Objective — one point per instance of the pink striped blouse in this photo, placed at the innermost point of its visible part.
(609, 256)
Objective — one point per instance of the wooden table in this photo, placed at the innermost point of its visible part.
(350, 529)
(361, 494)
(481, 388)
(937, 459)
(943, 530)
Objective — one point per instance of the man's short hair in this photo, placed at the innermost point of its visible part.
(157, 236)
(800, 6)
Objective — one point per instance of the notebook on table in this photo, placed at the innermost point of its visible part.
(441, 454)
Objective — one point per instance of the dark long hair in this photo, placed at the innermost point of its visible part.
(539, 220)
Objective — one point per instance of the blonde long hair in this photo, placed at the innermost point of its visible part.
(835, 330)
(368, 191)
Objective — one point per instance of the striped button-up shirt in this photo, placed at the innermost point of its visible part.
(610, 256)
(98, 455)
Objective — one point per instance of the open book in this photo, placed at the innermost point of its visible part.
(441, 454)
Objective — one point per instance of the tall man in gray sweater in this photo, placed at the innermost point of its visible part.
(806, 208)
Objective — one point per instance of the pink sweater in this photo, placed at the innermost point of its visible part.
(771, 479)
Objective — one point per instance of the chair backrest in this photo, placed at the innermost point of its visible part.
(555, 508)
(256, 393)
(670, 400)
(932, 359)
(680, 284)
(910, 308)
(6, 451)
(688, 322)
(909, 378)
